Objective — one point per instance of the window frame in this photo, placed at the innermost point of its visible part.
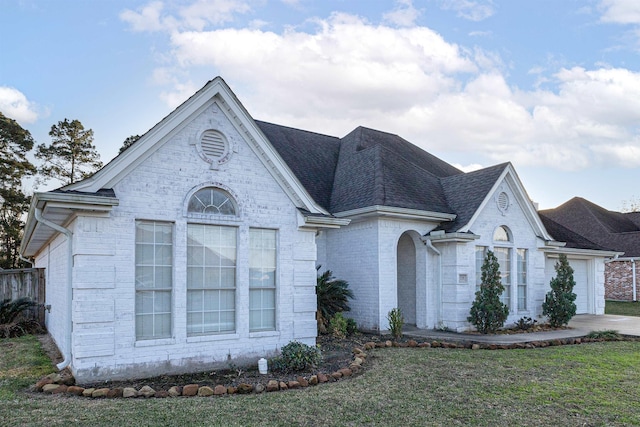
(154, 291)
(263, 290)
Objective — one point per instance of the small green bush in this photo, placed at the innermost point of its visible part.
(352, 326)
(338, 326)
(488, 313)
(609, 335)
(296, 356)
(525, 323)
(396, 321)
(559, 303)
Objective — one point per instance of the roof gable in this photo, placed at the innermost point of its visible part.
(607, 228)
(215, 91)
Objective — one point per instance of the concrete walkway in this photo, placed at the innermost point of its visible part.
(579, 326)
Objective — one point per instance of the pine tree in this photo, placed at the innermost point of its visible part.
(71, 156)
(128, 143)
(488, 313)
(15, 143)
(559, 302)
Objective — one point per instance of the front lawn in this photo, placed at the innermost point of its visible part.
(589, 384)
(622, 308)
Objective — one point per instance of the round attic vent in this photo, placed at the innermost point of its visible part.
(503, 202)
(213, 147)
(213, 144)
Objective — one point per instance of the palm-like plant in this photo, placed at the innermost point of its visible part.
(10, 323)
(333, 295)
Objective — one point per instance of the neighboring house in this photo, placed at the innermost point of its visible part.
(603, 228)
(199, 244)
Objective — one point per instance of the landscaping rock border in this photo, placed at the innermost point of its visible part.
(64, 383)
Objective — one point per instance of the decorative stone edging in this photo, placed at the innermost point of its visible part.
(64, 383)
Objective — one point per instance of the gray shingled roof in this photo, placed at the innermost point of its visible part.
(311, 156)
(609, 229)
(563, 234)
(373, 168)
(465, 192)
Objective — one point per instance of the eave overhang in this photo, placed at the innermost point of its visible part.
(59, 208)
(555, 250)
(442, 237)
(379, 211)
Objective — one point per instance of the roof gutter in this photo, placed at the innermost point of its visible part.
(69, 329)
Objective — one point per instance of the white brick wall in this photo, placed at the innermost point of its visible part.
(104, 293)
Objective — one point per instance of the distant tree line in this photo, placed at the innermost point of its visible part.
(70, 157)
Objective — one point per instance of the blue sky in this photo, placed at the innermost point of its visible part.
(551, 85)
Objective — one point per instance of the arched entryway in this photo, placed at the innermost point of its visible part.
(406, 278)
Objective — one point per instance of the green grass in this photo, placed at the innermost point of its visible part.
(592, 384)
(22, 363)
(622, 308)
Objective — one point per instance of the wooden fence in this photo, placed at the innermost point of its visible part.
(26, 282)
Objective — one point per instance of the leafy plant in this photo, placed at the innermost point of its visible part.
(296, 356)
(396, 321)
(488, 313)
(559, 302)
(525, 323)
(11, 322)
(333, 296)
(338, 325)
(609, 335)
(352, 326)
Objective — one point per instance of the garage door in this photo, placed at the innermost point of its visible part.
(581, 277)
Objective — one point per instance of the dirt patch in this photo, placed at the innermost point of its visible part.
(336, 354)
(50, 348)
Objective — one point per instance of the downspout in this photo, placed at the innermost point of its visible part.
(25, 260)
(633, 277)
(69, 235)
(439, 292)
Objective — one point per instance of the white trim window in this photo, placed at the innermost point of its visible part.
(262, 279)
(153, 279)
(502, 235)
(211, 279)
(481, 253)
(504, 259)
(522, 278)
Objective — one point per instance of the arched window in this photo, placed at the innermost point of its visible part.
(213, 201)
(501, 234)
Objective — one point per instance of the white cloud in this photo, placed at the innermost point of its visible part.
(195, 16)
(146, 19)
(620, 11)
(404, 15)
(14, 104)
(347, 71)
(473, 10)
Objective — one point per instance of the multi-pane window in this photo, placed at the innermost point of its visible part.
(212, 201)
(211, 279)
(504, 259)
(262, 279)
(522, 279)
(154, 278)
(481, 253)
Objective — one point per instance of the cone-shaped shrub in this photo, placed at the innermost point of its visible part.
(559, 303)
(488, 313)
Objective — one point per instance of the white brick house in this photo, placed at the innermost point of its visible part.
(199, 244)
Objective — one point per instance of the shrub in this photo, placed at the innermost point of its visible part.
(12, 323)
(296, 356)
(333, 296)
(352, 326)
(396, 321)
(488, 313)
(338, 325)
(525, 323)
(608, 334)
(559, 303)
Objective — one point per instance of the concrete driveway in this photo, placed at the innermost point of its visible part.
(626, 325)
